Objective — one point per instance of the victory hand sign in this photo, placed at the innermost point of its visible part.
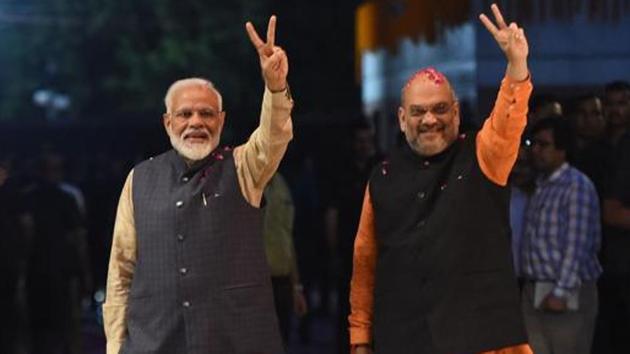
(273, 60)
(512, 41)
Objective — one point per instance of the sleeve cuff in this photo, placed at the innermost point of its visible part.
(514, 86)
(280, 98)
(560, 292)
(113, 347)
(509, 80)
(360, 336)
(354, 347)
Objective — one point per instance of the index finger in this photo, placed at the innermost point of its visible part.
(271, 31)
(253, 35)
(489, 25)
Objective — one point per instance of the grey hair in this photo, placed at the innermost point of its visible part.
(192, 81)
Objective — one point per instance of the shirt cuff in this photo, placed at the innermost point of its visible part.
(354, 347)
(515, 87)
(512, 81)
(360, 336)
(514, 100)
(113, 347)
(281, 98)
(560, 292)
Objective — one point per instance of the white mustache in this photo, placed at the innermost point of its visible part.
(190, 131)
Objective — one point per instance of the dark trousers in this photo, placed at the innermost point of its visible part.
(613, 322)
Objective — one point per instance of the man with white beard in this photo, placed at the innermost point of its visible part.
(187, 271)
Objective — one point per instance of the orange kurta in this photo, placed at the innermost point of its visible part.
(497, 148)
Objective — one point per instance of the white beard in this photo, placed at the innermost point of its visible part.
(193, 152)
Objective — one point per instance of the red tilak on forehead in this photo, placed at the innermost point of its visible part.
(428, 73)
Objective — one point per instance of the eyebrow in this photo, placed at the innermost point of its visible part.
(424, 106)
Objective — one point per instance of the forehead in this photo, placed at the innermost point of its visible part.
(425, 92)
(195, 95)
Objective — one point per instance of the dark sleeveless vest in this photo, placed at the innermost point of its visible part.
(201, 283)
(444, 277)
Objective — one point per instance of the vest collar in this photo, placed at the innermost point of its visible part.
(426, 161)
(183, 170)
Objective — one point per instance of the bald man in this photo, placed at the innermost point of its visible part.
(432, 259)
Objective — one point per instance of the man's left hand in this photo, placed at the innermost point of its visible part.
(274, 63)
(512, 41)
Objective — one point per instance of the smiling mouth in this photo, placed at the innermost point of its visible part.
(431, 132)
(196, 137)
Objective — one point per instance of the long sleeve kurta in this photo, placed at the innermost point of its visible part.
(497, 148)
(256, 161)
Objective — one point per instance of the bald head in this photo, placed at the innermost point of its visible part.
(187, 83)
(429, 76)
(429, 112)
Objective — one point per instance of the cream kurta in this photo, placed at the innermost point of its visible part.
(256, 161)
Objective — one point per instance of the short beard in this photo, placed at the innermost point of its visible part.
(428, 149)
(434, 147)
(192, 152)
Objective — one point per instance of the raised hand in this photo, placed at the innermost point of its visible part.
(274, 63)
(511, 40)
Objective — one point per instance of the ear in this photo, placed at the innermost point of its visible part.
(221, 120)
(402, 119)
(456, 115)
(166, 120)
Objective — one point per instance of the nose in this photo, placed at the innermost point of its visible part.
(429, 119)
(195, 120)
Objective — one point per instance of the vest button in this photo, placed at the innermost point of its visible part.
(421, 195)
(183, 271)
(420, 224)
(186, 304)
(185, 179)
(180, 237)
(179, 203)
(426, 163)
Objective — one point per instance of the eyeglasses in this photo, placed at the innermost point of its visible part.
(438, 110)
(204, 113)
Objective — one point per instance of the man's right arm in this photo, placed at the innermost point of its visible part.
(122, 264)
(362, 284)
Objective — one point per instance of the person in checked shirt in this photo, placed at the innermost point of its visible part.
(560, 246)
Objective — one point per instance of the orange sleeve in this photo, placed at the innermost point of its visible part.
(518, 349)
(499, 138)
(362, 283)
